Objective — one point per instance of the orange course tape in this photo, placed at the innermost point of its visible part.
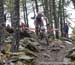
(49, 29)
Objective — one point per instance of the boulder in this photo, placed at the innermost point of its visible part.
(71, 54)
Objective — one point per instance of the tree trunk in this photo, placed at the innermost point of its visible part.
(1, 13)
(16, 24)
(36, 4)
(51, 15)
(55, 18)
(1, 22)
(26, 17)
(63, 1)
(61, 15)
(33, 10)
(46, 8)
(24, 13)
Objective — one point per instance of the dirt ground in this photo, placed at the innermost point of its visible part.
(54, 52)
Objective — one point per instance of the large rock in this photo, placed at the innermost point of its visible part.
(71, 54)
(67, 60)
(68, 42)
(30, 43)
(24, 34)
(56, 46)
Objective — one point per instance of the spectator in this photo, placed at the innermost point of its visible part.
(23, 26)
(66, 29)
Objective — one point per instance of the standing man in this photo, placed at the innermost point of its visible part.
(66, 29)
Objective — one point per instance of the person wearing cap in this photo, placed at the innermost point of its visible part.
(66, 29)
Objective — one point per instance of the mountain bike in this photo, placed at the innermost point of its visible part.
(42, 34)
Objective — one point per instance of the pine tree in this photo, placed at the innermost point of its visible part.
(2, 22)
(16, 24)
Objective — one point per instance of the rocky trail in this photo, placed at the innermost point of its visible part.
(55, 52)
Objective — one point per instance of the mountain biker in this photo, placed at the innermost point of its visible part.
(38, 22)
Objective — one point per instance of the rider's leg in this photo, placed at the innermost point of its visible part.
(37, 29)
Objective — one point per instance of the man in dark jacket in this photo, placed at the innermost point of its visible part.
(66, 29)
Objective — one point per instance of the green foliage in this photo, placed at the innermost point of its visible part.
(73, 34)
(73, 63)
(73, 30)
(9, 4)
(23, 2)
